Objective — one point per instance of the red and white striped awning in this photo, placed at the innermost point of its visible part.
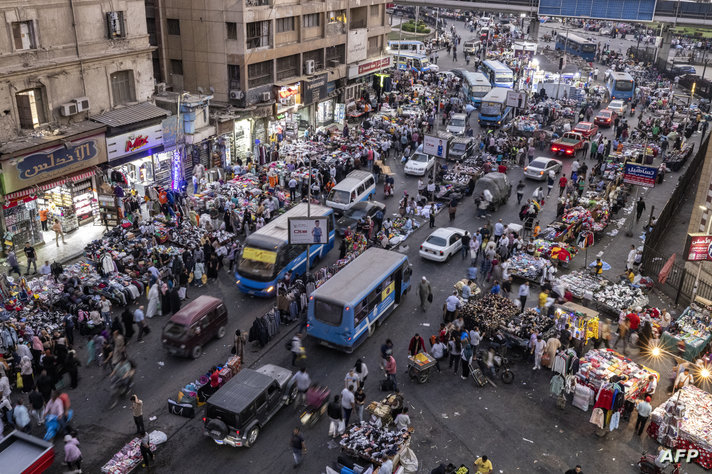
(51, 184)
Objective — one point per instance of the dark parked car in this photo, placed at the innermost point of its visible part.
(238, 410)
(684, 69)
(358, 211)
(461, 148)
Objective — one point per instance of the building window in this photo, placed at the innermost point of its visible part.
(287, 66)
(317, 56)
(177, 67)
(336, 22)
(311, 20)
(374, 10)
(259, 74)
(258, 34)
(115, 25)
(23, 34)
(173, 26)
(335, 55)
(233, 76)
(256, 3)
(30, 108)
(122, 87)
(285, 24)
(231, 30)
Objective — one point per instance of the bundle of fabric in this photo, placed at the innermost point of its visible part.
(489, 312)
(524, 324)
(526, 266)
(369, 441)
(620, 296)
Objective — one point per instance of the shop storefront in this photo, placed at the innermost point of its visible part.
(56, 180)
(360, 73)
(315, 97)
(242, 137)
(285, 124)
(137, 159)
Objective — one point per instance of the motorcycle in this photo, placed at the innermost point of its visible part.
(647, 465)
(317, 399)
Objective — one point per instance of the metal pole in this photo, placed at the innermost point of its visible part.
(309, 211)
(437, 25)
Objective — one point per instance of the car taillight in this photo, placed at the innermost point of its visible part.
(441, 252)
(421, 247)
(204, 419)
(553, 148)
(541, 172)
(569, 151)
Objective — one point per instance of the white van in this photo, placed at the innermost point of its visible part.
(356, 186)
(457, 124)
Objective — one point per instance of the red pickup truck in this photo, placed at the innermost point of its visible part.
(568, 144)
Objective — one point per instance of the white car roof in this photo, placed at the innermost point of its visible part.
(446, 232)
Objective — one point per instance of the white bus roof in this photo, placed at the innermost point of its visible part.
(476, 78)
(496, 66)
(525, 45)
(405, 42)
(352, 179)
(351, 283)
(400, 54)
(621, 76)
(576, 38)
(497, 94)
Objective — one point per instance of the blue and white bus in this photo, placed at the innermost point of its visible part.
(414, 47)
(346, 309)
(475, 86)
(621, 86)
(577, 46)
(497, 73)
(267, 254)
(494, 110)
(410, 61)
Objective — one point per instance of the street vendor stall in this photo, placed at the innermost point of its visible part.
(598, 366)
(582, 285)
(582, 321)
(526, 266)
(420, 366)
(387, 409)
(684, 421)
(489, 313)
(520, 327)
(690, 334)
(375, 444)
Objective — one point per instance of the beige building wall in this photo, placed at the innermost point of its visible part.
(65, 63)
(203, 48)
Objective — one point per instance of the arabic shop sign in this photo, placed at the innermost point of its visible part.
(315, 90)
(640, 175)
(134, 142)
(50, 163)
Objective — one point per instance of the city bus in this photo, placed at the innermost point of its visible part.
(577, 46)
(494, 110)
(475, 86)
(346, 309)
(498, 74)
(411, 47)
(621, 86)
(267, 255)
(419, 62)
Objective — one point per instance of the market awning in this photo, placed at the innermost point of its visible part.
(19, 194)
(52, 184)
(83, 175)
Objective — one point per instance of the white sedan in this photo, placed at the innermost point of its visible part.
(618, 106)
(419, 164)
(442, 243)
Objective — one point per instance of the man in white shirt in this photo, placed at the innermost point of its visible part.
(438, 352)
(498, 230)
(523, 293)
(631, 258)
(45, 269)
(402, 421)
(475, 339)
(452, 303)
(538, 352)
(684, 379)
(303, 381)
(347, 403)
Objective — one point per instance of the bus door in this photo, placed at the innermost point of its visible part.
(399, 284)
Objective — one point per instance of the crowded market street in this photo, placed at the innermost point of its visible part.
(520, 426)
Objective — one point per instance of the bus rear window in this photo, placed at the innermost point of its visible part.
(328, 313)
(624, 85)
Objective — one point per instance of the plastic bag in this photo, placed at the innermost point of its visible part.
(157, 437)
(409, 461)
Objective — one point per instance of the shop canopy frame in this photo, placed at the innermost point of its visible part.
(82, 175)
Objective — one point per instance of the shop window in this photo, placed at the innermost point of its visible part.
(259, 74)
(30, 108)
(23, 35)
(173, 26)
(258, 34)
(233, 76)
(287, 67)
(335, 55)
(177, 67)
(231, 30)
(311, 20)
(123, 89)
(285, 24)
(115, 25)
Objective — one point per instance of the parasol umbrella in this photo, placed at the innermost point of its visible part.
(605, 266)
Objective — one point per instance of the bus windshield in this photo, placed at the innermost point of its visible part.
(480, 91)
(624, 85)
(338, 196)
(258, 264)
(328, 313)
(490, 108)
(588, 48)
(504, 77)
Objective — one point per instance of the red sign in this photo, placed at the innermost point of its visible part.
(133, 144)
(14, 202)
(288, 91)
(374, 65)
(699, 247)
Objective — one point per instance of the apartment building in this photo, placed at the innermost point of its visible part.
(60, 63)
(288, 62)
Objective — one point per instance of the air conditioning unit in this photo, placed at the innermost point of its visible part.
(82, 103)
(160, 87)
(236, 94)
(309, 66)
(68, 109)
(265, 96)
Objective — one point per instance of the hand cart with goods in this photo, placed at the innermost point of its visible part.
(387, 409)
(420, 366)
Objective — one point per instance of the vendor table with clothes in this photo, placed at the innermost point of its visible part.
(597, 367)
(684, 421)
(583, 322)
(693, 330)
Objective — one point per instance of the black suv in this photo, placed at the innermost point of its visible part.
(240, 408)
(461, 148)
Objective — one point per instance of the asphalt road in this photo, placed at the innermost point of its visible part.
(517, 426)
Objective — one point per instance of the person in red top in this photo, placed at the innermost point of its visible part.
(562, 185)
(634, 320)
(417, 345)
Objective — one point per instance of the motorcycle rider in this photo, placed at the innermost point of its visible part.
(122, 378)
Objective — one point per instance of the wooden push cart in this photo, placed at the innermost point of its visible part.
(420, 366)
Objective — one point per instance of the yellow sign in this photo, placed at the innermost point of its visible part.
(388, 290)
(258, 255)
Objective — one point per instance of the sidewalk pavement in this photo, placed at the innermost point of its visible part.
(73, 248)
